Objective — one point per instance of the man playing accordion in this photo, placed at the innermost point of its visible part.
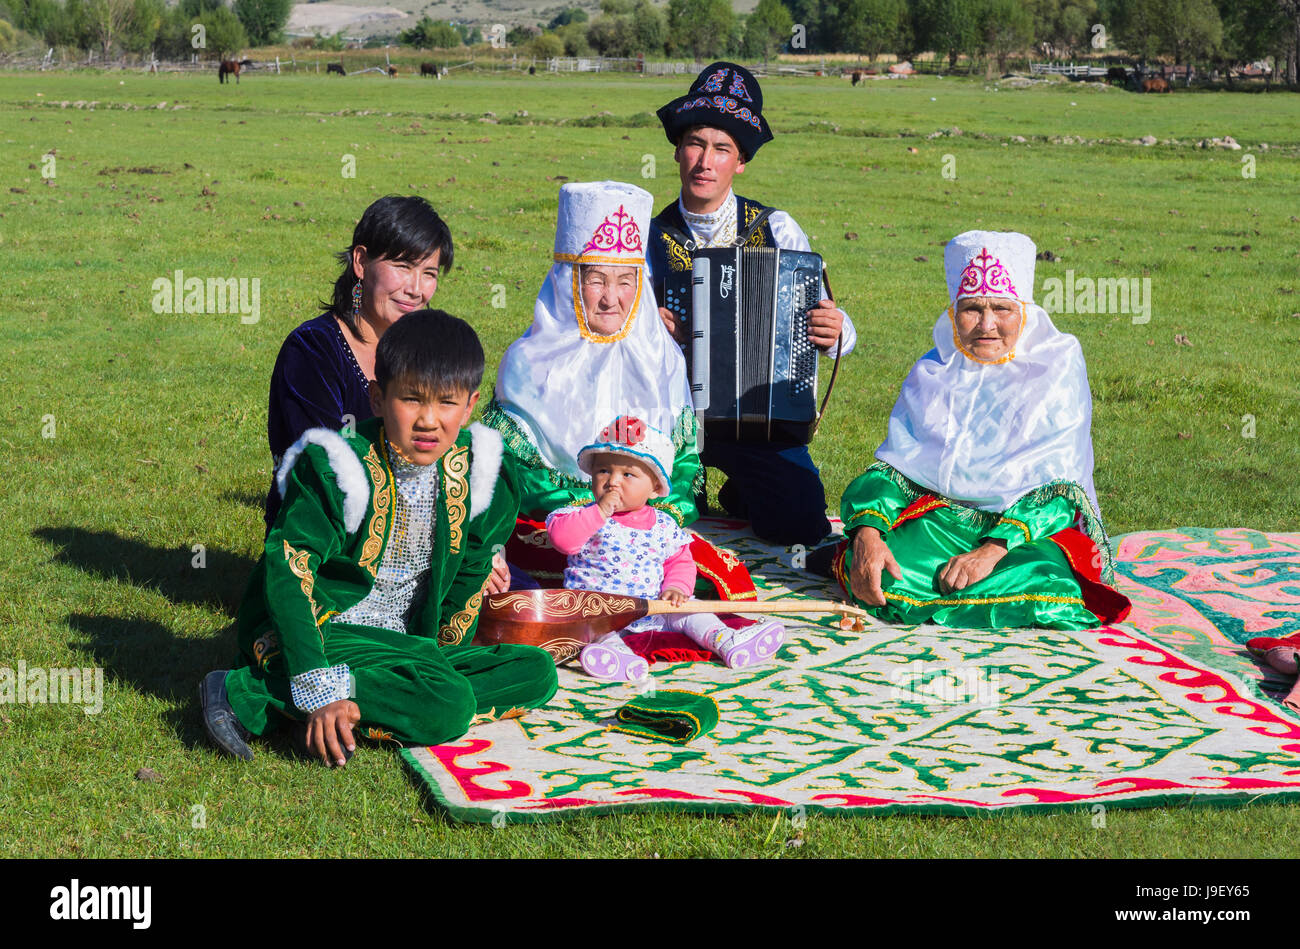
(716, 128)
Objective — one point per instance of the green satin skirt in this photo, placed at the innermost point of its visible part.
(1032, 585)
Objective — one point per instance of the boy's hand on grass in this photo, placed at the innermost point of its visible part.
(610, 501)
(674, 595)
(330, 727)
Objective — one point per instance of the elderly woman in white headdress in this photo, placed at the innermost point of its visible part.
(597, 350)
(980, 511)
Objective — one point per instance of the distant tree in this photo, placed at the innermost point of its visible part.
(650, 28)
(565, 17)
(947, 27)
(264, 20)
(107, 20)
(519, 35)
(1005, 27)
(8, 37)
(199, 7)
(71, 26)
(1182, 28)
(334, 43)
(1064, 27)
(430, 34)
(871, 26)
(545, 46)
(767, 29)
(32, 16)
(141, 33)
(225, 35)
(574, 37)
(612, 35)
(700, 27)
(469, 35)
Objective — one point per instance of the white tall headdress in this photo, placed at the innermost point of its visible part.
(561, 381)
(988, 433)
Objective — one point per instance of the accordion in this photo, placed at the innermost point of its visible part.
(753, 371)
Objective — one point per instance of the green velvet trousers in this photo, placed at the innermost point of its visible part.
(408, 688)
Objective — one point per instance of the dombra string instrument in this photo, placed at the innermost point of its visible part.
(563, 621)
(753, 370)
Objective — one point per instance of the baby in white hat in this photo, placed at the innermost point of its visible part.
(620, 544)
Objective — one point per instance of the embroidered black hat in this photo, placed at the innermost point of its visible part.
(724, 96)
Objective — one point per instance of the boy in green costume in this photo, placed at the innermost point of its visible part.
(362, 608)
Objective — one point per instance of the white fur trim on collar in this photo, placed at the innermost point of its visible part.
(347, 471)
(487, 449)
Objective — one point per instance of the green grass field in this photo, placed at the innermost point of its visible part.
(158, 420)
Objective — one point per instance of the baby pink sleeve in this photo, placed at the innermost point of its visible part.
(570, 530)
(679, 571)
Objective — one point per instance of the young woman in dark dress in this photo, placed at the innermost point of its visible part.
(322, 375)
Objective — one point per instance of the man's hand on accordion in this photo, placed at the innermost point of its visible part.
(678, 331)
(824, 324)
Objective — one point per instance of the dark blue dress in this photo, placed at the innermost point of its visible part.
(315, 383)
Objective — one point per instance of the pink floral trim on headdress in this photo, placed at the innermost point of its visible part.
(985, 276)
(618, 233)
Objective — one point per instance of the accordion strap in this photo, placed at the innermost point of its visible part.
(743, 237)
(835, 371)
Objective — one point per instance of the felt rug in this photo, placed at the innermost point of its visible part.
(1167, 707)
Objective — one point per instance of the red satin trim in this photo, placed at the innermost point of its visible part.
(1104, 602)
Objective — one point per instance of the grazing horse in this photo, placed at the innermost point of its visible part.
(231, 67)
(1117, 74)
(392, 72)
(335, 67)
(1156, 85)
(856, 76)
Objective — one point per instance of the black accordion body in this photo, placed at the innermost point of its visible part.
(753, 371)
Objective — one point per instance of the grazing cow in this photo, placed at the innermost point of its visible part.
(429, 69)
(1117, 75)
(856, 76)
(231, 67)
(1156, 85)
(392, 72)
(335, 67)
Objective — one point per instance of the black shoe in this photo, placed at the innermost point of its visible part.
(219, 718)
(820, 560)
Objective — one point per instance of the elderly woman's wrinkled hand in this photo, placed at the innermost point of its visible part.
(970, 568)
(871, 556)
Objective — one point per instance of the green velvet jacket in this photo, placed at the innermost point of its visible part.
(329, 538)
(542, 489)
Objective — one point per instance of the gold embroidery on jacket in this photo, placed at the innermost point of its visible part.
(454, 631)
(678, 259)
(374, 544)
(456, 465)
(266, 648)
(300, 566)
(756, 239)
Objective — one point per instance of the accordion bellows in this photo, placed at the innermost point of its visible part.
(753, 371)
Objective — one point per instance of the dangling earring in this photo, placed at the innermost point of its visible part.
(356, 302)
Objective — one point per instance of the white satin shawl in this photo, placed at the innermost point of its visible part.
(563, 384)
(986, 434)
